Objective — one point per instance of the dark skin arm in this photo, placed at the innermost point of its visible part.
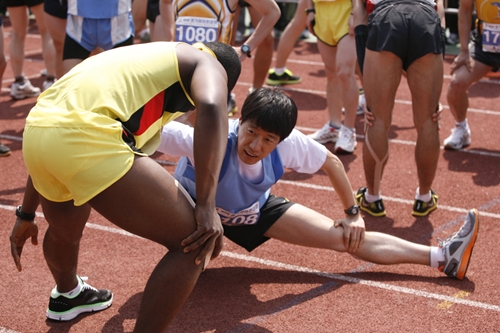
(23, 230)
(206, 82)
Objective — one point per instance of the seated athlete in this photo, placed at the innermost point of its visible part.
(261, 144)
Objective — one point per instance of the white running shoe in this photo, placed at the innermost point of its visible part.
(346, 142)
(325, 134)
(459, 138)
(361, 104)
(47, 84)
(23, 90)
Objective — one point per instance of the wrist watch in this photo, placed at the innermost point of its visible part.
(352, 211)
(24, 216)
(310, 10)
(246, 49)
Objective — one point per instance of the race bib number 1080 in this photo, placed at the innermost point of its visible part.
(196, 29)
(491, 37)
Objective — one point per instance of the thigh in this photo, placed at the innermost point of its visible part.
(66, 221)
(303, 226)
(147, 202)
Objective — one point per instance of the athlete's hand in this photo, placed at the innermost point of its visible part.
(463, 59)
(208, 235)
(354, 232)
(20, 233)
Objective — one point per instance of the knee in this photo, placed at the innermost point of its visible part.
(456, 87)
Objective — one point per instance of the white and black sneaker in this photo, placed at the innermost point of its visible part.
(88, 299)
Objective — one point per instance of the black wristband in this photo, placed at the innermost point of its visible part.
(310, 10)
(24, 216)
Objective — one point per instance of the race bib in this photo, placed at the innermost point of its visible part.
(196, 29)
(491, 37)
(246, 216)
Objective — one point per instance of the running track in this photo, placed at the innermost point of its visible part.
(280, 287)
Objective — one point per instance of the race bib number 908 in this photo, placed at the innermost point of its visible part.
(491, 37)
(196, 29)
(246, 216)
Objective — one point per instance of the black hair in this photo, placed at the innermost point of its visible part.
(271, 110)
(229, 59)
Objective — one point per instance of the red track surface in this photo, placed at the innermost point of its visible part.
(280, 287)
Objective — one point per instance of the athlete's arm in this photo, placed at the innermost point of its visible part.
(464, 23)
(206, 81)
(24, 229)
(354, 226)
(270, 15)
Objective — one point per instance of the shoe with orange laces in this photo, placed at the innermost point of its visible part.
(457, 248)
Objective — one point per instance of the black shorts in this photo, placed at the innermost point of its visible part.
(252, 236)
(409, 29)
(57, 8)
(153, 10)
(488, 58)
(73, 49)
(19, 3)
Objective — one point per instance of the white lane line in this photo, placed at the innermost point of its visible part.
(277, 264)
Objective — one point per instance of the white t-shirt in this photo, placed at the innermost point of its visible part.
(298, 152)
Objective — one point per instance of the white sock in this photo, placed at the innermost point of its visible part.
(422, 197)
(75, 291)
(436, 255)
(372, 198)
(280, 71)
(463, 124)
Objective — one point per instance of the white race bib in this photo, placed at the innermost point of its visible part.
(247, 216)
(196, 29)
(491, 37)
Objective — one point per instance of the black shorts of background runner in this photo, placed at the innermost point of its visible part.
(153, 10)
(409, 29)
(252, 236)
(73, 49)
(57, 8)
(19, 3)
(488, 58)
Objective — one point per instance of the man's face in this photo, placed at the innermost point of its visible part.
(254, 143)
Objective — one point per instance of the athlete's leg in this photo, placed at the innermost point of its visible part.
(48, 49)
(345, 66)
(57, 29)
(462, 79)
(303, 226)
(290, 35)
(425, 79)
(380, 96)
(19, 20)
(333, 90)
(147, 202)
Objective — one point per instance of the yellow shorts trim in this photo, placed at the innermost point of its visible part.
(332, 21)
(75, 163)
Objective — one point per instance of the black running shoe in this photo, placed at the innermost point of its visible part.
(4, 150)
(421, 208)
(287, 77)
(375, 208)
(89, 299)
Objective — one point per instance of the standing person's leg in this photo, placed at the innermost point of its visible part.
(380, 96)
(4, 150)
(458, 100)
(330, 131)
(48, 49)
(22, 87)
(56, 26)
(280, 74)
(263, 54)
(425, 79)
(345, 67)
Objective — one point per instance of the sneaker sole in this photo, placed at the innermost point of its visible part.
(450, 147)
(427, 212)
(280, 83)
(465, 260)
(73, 313)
